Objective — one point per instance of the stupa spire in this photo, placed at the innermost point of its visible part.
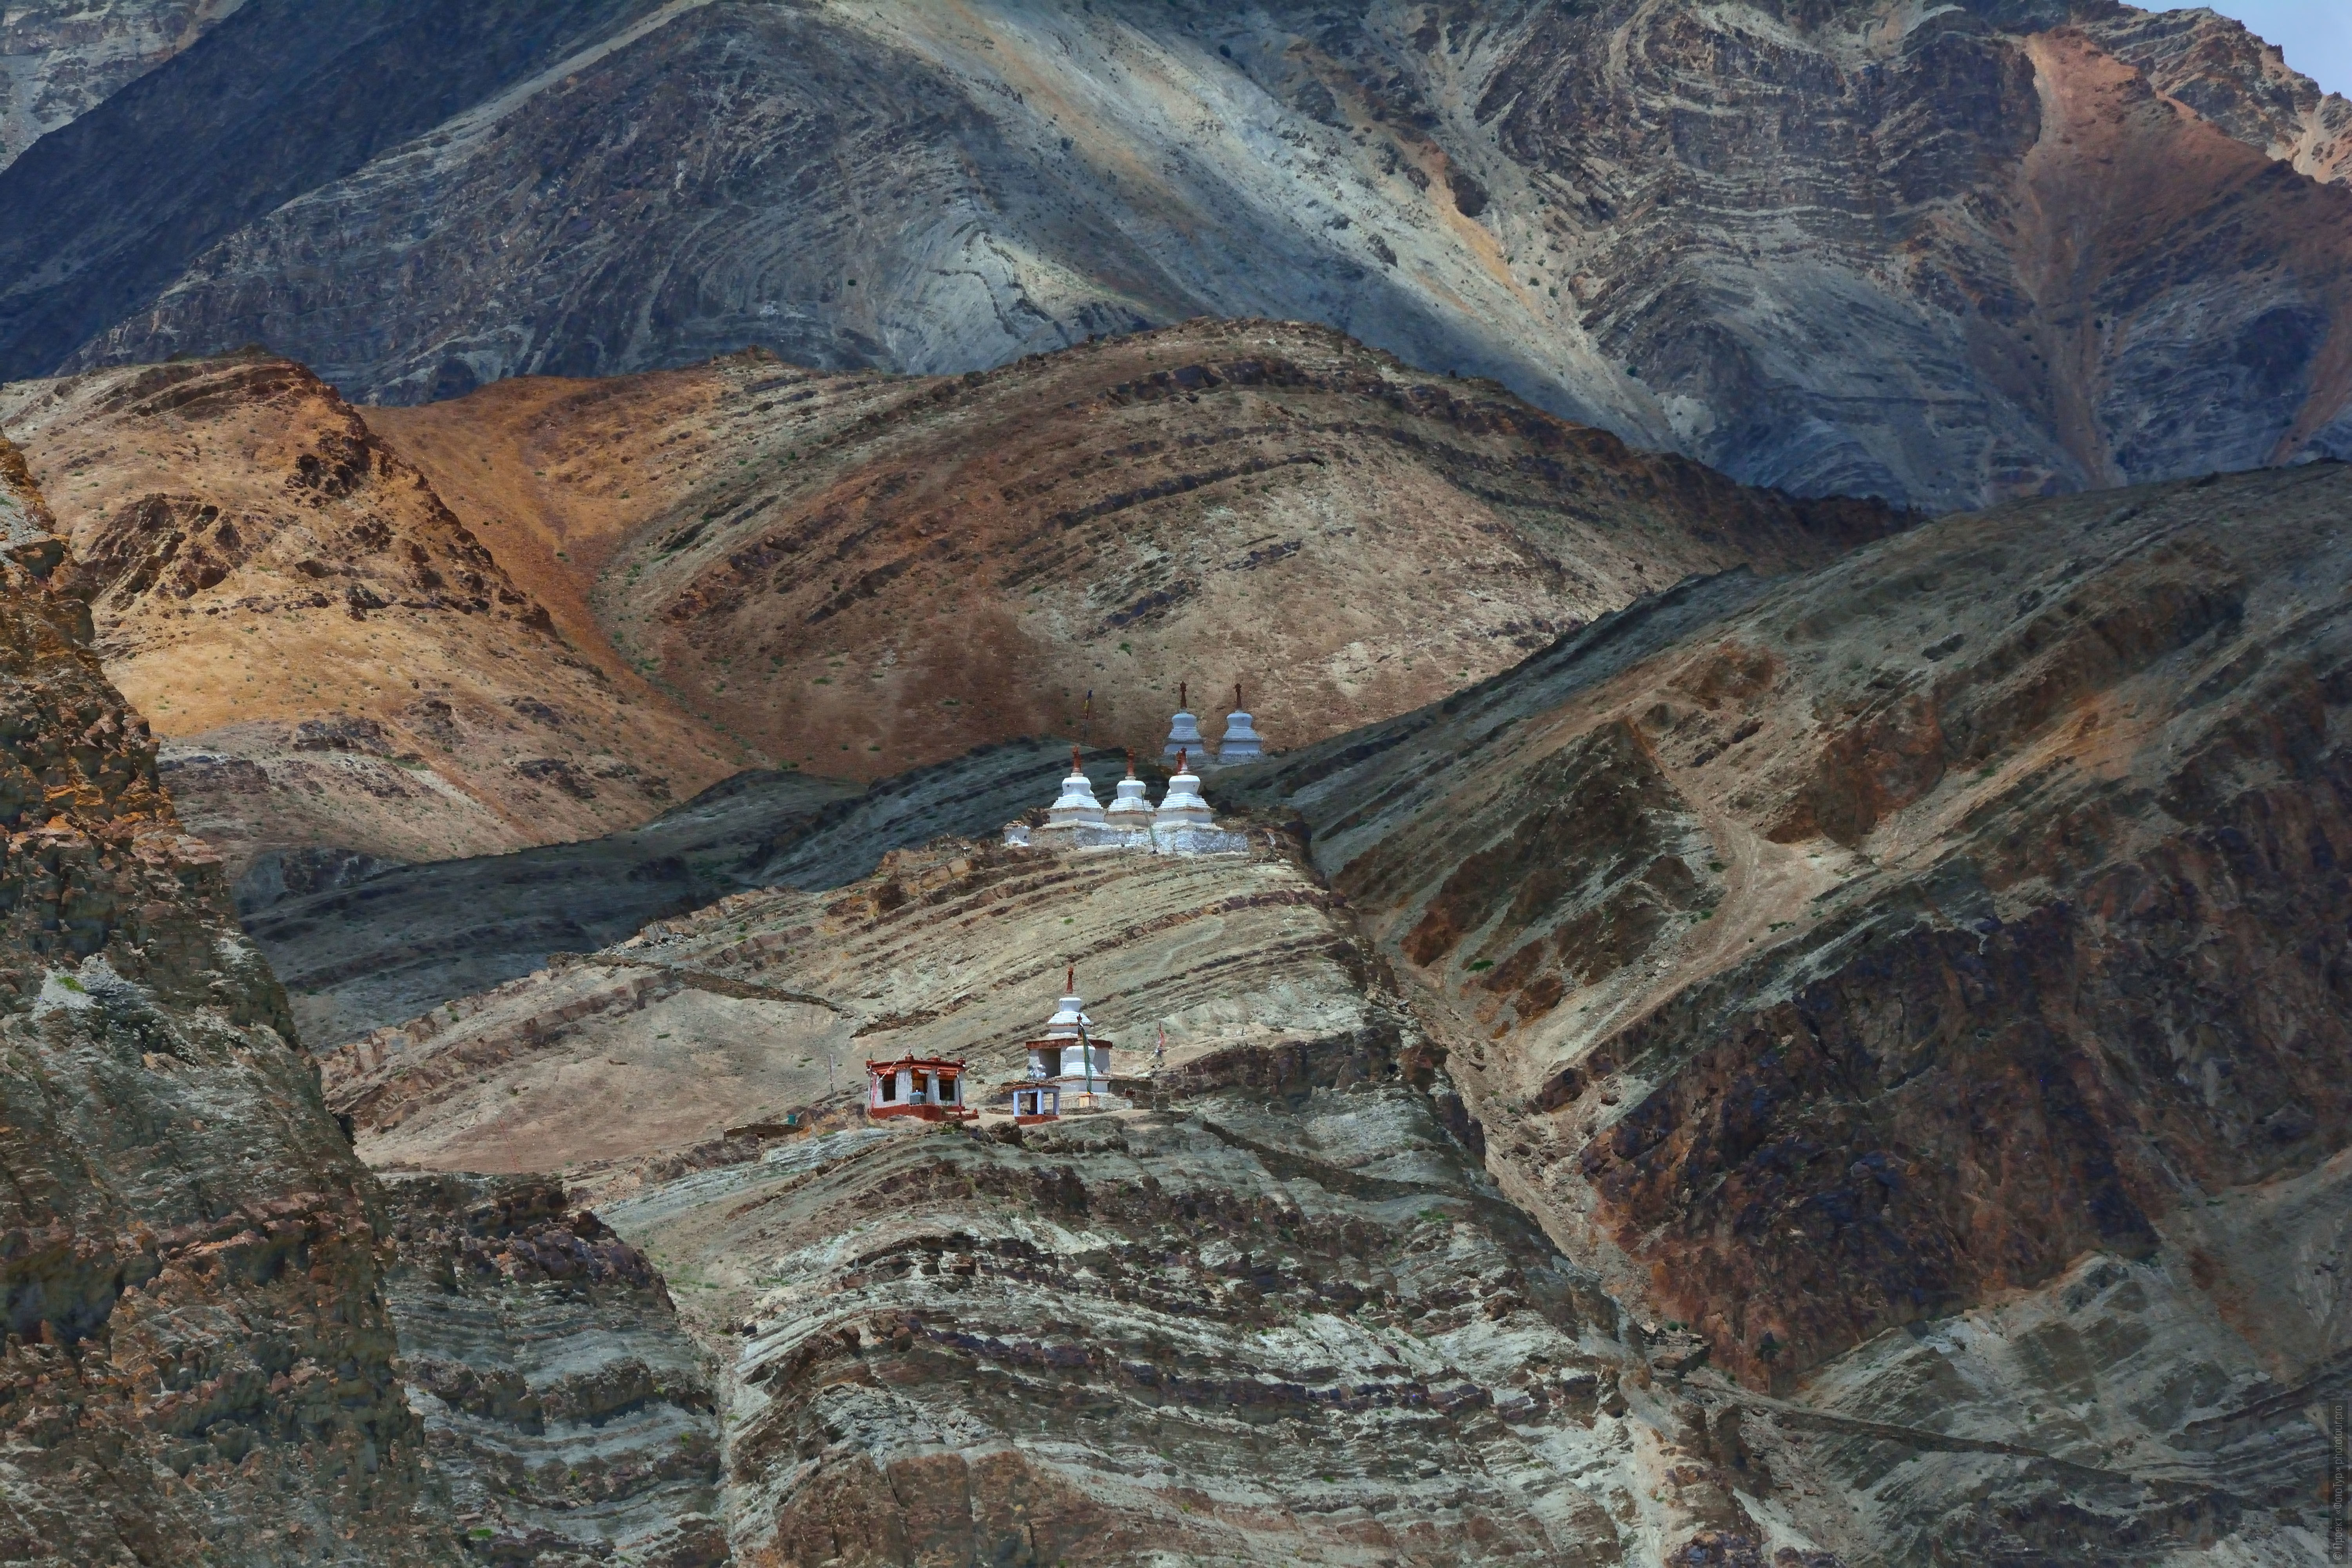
(1183, 729)
(1183, 807)
(1241, 742)
(1077, 806)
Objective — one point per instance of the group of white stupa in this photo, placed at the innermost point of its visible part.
(1181, 824)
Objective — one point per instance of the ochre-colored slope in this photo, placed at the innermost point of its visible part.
(862, 574)
(339, 659)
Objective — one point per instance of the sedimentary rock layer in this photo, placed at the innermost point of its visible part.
(361, 945)
(333, 657)
(197, 1363)
(1280, 1316)
(568, 1417)
(1950, 939)
(1942, 253)
(861, 574)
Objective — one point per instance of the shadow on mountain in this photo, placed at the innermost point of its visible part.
(360, 942)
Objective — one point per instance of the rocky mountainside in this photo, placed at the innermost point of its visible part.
(1897, 976)
(60, 58)
(332, 657)
(1908, 1010)
(568, 1417)
(197, 1365)
(1279, 1317)
(361, 945)
(860, 574)
(1940, 254)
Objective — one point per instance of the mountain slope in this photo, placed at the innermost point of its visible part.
(1940, 254)
(860, 574)
(1280, 1316)
(1889, 971)
(197, 1365)
(60, 58)
(362, 946)
(334, 657)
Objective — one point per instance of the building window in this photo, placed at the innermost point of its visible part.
(889, 1090)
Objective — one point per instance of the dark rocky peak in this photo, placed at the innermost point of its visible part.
(1812, 244)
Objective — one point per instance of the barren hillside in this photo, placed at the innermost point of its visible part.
(861, 574)
(1940, 253)
(332, 656)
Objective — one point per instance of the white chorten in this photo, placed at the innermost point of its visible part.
(1184, 729)
(1077, 806)
(1241, 744)
(1183, 807)
(1062, 1050)
(1131, 809)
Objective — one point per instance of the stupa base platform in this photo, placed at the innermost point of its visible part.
(1185, 840)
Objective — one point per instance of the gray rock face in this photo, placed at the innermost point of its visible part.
(359, 944)
(1941, 255)
(59, 58)
(567, 1415)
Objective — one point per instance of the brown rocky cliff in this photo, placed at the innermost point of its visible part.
(197, 1360)
(335, 658)
(862, 574)
(1956, 933)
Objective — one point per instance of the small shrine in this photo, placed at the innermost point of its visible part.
(1131, 810)
(1077, 806)
(1069, 1064)
(1183, 807)
(1183, 729)
(929, 1088)
(1241, 744)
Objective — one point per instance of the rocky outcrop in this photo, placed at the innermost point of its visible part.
(336, 660)
(1896, 970)
(197, 1365)
(1277, 1316)
(568, 1417)
(864, 575)
(60, 58)
(1941, 254)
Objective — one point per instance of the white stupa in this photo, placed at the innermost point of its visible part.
(1183, 807)
(1241, 744)
(1184, 729)
(1077, 806)
(1069, 1037)
(1131, 810)
(1068, 1060)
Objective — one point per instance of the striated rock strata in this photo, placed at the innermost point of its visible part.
(333, 657)
(863, 575)
(1924, 978)
(1938, 253)
(197, 1365)
(1278, 1316)
(568, 1418)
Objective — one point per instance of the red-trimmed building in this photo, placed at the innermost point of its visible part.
(929, 1088)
